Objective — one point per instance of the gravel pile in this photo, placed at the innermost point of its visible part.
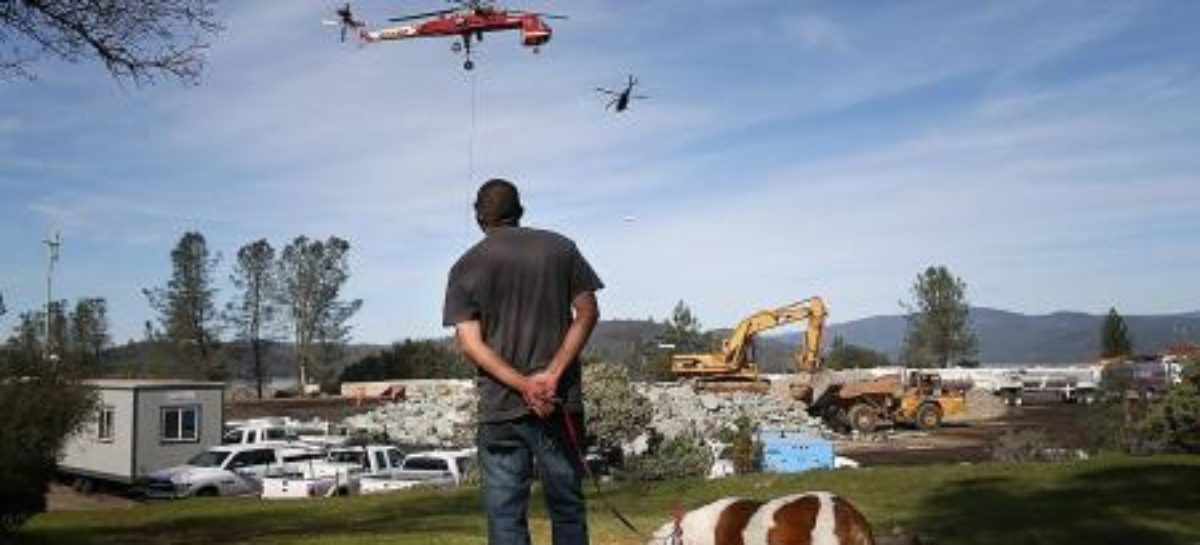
(442, 412)
(983, 405)
(679, 409)
(434, 413)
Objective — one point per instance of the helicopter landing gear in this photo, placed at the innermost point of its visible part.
(464, 47)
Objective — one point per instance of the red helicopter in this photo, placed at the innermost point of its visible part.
(470, 21)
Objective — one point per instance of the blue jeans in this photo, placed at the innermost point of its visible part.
(507, 451)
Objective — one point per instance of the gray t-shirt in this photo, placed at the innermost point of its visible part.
(519, 283)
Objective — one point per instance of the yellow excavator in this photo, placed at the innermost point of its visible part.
(734, 368)
(859, 404)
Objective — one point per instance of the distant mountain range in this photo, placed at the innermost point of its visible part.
(1004, 337)
(1010, 337)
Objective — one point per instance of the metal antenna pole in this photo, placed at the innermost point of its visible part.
(52, 246)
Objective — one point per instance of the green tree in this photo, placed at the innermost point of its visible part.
(40, 405)
(682, 334)
(939, 326)
(59, 344)
(1114, 336)
(28, 340)
(844, 355)
(683, 330)
(186, 308)
(253, 311)
(89, 332)
(616, 412)
(408, 360)
(1175, 420)
(311, 275)
(135, 40)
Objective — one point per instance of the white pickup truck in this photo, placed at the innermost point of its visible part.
(433, 468)
(338, 474)
(285, 432)
(227, 470)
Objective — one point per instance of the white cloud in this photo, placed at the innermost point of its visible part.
(292, 133)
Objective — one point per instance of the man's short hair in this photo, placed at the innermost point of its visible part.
(498, 203)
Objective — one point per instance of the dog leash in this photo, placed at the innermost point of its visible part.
(573, 437)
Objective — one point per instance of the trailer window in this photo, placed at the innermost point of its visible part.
(181, 424)
(395, 457)
(104, 427)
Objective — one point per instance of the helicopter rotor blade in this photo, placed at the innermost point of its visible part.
(539, 14)
(421, 15)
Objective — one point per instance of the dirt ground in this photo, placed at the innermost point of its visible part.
(63, 498)
(970, 440)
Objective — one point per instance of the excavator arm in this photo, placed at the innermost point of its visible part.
(733, 361)
(808, 358)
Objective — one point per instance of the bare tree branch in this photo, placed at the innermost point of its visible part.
(135, 40)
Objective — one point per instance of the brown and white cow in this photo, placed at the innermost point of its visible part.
(812, 518)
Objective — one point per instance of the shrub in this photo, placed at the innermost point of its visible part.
(1139, 424)
(616, 413)
(685, 455)
(39, 407)
(1019, 446)
(745, 450)
(1174, 421)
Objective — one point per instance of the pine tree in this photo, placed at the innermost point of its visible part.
(311, 275)
(1114, 336)
(253, 312)
(939, 325)
(186, 308)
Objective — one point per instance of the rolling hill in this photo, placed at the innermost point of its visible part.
(1004, 337)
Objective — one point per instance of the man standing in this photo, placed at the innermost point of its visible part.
(522, 302)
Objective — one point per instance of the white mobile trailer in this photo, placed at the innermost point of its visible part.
(142, 426)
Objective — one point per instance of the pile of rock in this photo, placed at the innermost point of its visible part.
(432, 413)
(442, 412)
(680, 409)
(983, 405)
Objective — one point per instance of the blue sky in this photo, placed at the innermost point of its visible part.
(1046, 152)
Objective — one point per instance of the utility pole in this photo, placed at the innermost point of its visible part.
(52, 246)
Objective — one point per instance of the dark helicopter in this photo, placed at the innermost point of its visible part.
(620, 100)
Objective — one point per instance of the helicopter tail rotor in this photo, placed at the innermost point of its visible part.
(347, 21)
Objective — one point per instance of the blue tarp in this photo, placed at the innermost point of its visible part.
(792, 451)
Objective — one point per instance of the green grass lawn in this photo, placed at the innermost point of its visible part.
(1134, 501)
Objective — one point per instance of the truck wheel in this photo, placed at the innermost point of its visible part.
(206, 492)
(83, 485)
(862, 418)
(929, 416)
